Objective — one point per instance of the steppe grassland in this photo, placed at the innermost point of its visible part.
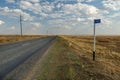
(70, 58)
(14, 38)
(107, 53)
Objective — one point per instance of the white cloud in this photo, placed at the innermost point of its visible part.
(55, 15)
(46, 9)
(1, 22)
(115, 15)
(26, 5)
(34, 28)
(27, 17)
(36, 25)
(10, 1)
(80, 19)
(111, 4)
(85, 0)
(5, 9)
(43, 15)
(82, 13)
(89, 0)
(80, 9)
(34, 1)
(15, 13)
(33, 7)
(36, 8)
(67, 27)
(63, 13)
(12, 28)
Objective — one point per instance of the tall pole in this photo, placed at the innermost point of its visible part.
(21, 24)
(21, 32)
(94, 47)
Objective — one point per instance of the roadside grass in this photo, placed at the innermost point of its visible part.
(70, 58)
(62, 63)
(107, 62)
(67, 63)
(14, 38)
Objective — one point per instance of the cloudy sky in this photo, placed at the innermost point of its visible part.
(60, 16)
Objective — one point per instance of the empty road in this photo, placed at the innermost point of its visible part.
(14, 54)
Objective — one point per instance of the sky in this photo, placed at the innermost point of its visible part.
(70, 17)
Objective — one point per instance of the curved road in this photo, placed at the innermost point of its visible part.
(14, 54)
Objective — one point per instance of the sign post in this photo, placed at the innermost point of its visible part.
(94, 46)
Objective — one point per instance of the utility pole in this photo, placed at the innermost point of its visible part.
(21, 32)
(21, 25)
(94, 44)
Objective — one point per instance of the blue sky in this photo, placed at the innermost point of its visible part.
(60, 16)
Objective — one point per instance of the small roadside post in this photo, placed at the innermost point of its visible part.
(94, 46)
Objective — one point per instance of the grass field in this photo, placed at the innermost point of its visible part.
(70, 58)
(14, 38)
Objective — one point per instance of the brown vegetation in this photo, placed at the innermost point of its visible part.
(107, 62)
(70, 58)
(14, 38)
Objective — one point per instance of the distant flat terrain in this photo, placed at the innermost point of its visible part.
(14, 38)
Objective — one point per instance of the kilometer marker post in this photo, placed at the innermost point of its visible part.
(94, 46)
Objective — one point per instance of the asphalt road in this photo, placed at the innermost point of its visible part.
(14, 54)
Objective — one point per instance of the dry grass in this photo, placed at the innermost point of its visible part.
(62, 63)
(14, 38)
(107, 62)
(70, 58)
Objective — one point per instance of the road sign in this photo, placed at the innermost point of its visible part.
(94, 46)
(97, 20)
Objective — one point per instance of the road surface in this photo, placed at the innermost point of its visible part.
(14, 54)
